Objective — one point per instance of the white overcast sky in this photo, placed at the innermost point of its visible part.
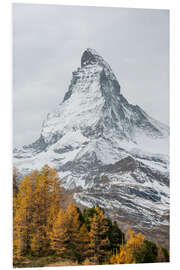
(48, 41)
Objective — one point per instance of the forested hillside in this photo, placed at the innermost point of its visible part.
(46, 230)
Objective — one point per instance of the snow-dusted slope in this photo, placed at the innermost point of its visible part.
(112, 151)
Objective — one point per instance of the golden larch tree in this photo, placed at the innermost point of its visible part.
(84, 243)
(127, 252)
(47, 199)
(23, 214)
(36, 207)
(65, 233)
(99, 242)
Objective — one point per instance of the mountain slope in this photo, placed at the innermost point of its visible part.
(107, 151)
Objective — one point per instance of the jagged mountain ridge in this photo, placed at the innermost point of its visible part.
(109, 150)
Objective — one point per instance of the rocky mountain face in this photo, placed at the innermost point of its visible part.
(106, 150)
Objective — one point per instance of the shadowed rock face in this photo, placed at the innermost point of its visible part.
(88, 58)
(106, 150)
(126, 164)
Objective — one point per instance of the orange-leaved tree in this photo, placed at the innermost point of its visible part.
(99, 242)
(84, 243)
(35, 209)
(23, 214)
(47, 198)
(65, 233)
(127, 253)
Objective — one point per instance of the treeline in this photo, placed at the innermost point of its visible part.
(43, 226)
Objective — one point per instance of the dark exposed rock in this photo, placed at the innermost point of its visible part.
(39, 145)
(88, 58)
(126, 164)
(64, 150)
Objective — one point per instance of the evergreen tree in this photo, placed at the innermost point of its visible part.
(147, 253)
(81, 217)
(115, 235)
(88, 213)
(129, 251)
(15, 181)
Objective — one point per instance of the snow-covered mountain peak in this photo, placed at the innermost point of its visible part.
(94, 107)
(111, 150)
(91, 57)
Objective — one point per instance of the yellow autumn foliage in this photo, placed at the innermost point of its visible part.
(99, 242)
(133, 244)
(42, 227)
(65, 232)
(35, 209)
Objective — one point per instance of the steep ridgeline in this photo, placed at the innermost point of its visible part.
(108, 151)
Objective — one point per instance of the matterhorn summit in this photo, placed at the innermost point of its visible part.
(106, 150)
